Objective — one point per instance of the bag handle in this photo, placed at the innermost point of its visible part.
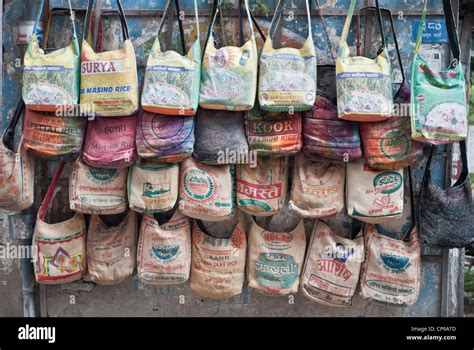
(40, 12)
(123, 20)
(49, 195)
(406, 236)
(277, 17)
(330, 47)
(241, 29)
(9, 133)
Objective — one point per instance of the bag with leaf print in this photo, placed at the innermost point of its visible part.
(51, 80)
(60, 248)
(171, 83)
(111, 248)
(287, 76)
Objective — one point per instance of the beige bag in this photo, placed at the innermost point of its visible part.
(206, 191)
(59, 254)
(218, 264)
(276, 257)
(332, 266)
(318, 188)
(111, 250)
(97, 191)
(164, 250)
(153, 186)
(373, 196)
(261, 191)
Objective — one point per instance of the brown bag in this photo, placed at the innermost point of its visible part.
(111, 250)
(218, 264)
(261, 191)
(153, 186)
(317, 188)
(60, 248)
(164, 249)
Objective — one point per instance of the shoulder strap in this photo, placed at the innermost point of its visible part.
(277, 17)
(170, 4)
(123, 20)
(49, 195)
(406, 236)
(9, 133)
(326, 35)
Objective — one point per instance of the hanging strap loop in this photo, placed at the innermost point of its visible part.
(49, 195)
(9, 133)
(123, 20)
(277, 17)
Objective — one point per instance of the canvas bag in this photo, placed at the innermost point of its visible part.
(373, 195)
(229, 74)
(171, 83)
(218, 264)
(447, 215)
(111, 249)
(331, 271)
(438, 99)
(51, 80)
(109, 83)
(276, 256)
(287, 76)
(153, 187)
(364, 85)
(317, 188)
(110, 142)
(206, 192)
(17, 169)
(59, 248)
(164, 248)
(261, 191)
(97, 191)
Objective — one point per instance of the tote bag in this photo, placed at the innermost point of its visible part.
(17, 169)
(364, 85)
(287, 76)
(218, 264)
(109, 85)
(59, 248)
(171, 83)
(229, 74)
(97, 191)
(261, 191)
(152, 186)
(111, 249)
(51, 81)
(438, 99)
(317, 188)
(164, 248)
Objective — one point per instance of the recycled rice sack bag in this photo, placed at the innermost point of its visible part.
(111, 249)
(152, 186)
(206, 191)
(317, 188)
(164, 248)
(261, 191)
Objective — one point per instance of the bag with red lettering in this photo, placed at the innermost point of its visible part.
(110, 142)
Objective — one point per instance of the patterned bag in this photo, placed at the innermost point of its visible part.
(276, 255)
(51, 80)
(261, 191)
(218, 264)
(332, 266)
(109, 83)
(60, 248)
(229, 74)
(272, 133)
(364, 85)
(373, 195)
(172, 80)
(164, 248)
(17, 170)
(164, 138)
(317, 188)
(153, 187)
(287, 76)
(97, 191)
(438, 99)
(110, 142)
(206, 192)
(111, 249)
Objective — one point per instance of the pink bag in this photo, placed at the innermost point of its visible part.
(110, 142)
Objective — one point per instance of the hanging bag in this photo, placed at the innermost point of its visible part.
(109, 85)
(60, 248)
(438, 99)
(287, 76)
(364, 85)
(51, 81)
(171, 83)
